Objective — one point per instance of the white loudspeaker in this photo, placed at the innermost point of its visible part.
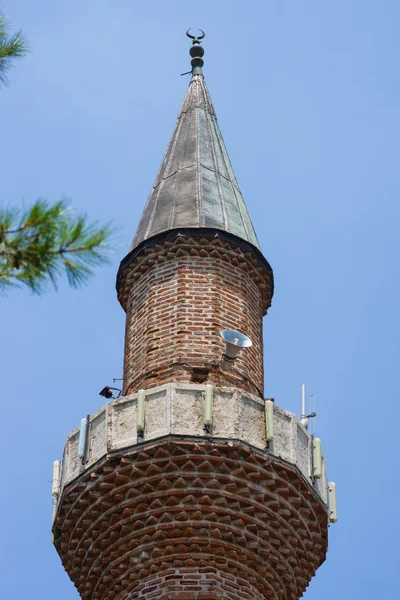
(235, 341)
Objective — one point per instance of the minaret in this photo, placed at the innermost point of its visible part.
(191, 485)
(195, 266)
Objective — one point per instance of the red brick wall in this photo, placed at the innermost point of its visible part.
(181, 519)
(193, 583)
(178, 298)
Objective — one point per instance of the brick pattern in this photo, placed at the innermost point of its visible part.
(193, 583)
(191, 519)
(178, 296)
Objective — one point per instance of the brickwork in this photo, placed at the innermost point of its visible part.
(178, 296)
(191, 520)
(193, 583)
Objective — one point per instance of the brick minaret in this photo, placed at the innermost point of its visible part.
(191, 485)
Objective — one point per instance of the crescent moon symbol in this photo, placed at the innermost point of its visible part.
(193, 37)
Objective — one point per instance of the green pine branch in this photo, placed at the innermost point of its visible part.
(40, 244)
(11, 47)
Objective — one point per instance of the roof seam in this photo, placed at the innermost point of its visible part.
(199, 198)
(196, 185)
(234, 185)
(204, 166)
(185, 112)
(177, 178)
(221, 196)
(167, 164)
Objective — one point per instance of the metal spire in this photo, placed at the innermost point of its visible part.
(196, 52)
(196, 189)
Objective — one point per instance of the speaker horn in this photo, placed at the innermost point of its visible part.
(235, 341)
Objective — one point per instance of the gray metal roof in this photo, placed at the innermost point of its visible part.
(196, 186)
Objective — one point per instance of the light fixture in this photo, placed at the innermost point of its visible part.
(107, 393)
(235, 341)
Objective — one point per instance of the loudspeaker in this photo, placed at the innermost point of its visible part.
(235, 341)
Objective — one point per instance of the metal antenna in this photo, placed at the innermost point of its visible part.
(312, 414)
(304, 420)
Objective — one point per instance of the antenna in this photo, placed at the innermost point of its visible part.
(312, 409)
(304, 420)
(313, 415)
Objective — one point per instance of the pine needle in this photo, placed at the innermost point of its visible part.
(11, 47)
(40, 244)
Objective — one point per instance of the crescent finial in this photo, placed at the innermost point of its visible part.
(195, 37)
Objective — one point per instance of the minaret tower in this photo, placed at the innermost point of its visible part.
(191, 485)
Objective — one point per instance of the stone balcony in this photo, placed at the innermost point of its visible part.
(176, 410)
(179, 503)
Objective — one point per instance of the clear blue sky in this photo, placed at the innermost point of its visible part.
(307, 95)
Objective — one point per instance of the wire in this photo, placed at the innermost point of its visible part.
(190, 365)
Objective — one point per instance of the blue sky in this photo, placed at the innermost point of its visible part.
(307, 96)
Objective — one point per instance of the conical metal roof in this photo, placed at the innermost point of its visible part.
(196, 186)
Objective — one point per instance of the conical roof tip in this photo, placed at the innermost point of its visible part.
(196, 186)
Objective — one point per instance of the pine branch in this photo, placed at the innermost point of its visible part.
(40, 244)
(11, 47)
